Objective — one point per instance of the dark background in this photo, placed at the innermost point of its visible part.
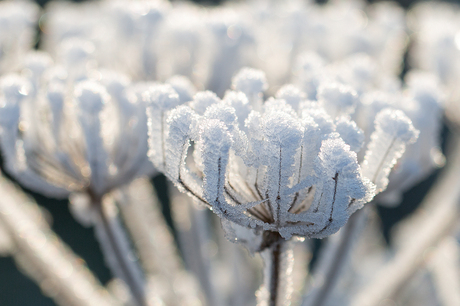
(17, 289)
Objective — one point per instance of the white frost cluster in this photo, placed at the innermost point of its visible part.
(370, 91)
(17, 32)
(436, 48)
(68, 130)
(154, 40)
(283, 166)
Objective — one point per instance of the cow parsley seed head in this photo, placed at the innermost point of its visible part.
(60, 135)
(203, 100)
(90, 97)
(291, 94)
(17, 32)
(183, 87)
(289, 169)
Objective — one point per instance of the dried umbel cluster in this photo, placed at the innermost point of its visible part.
(284, 166)
(155, 40)
(17, 32)
(436, 48)
(64, 131)
(128, 90)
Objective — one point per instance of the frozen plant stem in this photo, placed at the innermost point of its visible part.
(116, 248)
(438, 219)
(278, 263)
(193, 231)
(336, 257)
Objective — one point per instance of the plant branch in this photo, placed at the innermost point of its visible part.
(278, 263)
(335, 257)
(159, 256)
(438, 217)
(193, 230)
(116, 249)
(43, 256)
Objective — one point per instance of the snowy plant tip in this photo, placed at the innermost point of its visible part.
(291, 94)
(279, 173)
(337, 99)
(393, 131)
(250, 81)
(12, 89)
(91, 96)
(163, 96)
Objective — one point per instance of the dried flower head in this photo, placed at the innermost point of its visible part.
(64, 132)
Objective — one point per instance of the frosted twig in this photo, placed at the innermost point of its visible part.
(334, 257)
(193, 230)
(278, 263)
(445, 269)
(442, 203)
(44, 257)
(142, 215)
(6, 243)
(116, 248)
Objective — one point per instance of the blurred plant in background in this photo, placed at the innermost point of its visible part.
(289, 120)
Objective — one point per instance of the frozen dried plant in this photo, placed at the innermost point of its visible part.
(157, 39)
(290, 170)
(437, 219)
(76, 144)
(43, 256)
(17, 32)
(166, 276)
(376, 94)
(274, 170)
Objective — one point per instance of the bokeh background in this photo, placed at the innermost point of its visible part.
(18, 290)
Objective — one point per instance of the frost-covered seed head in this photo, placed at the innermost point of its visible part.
(183, 86)
(337, 99)
(163, 96)
(203, 100)
(396, 124)
(91, 97)
(393, 131)
(71, 136)
(250, 81)
(278, 173)
(292, 95)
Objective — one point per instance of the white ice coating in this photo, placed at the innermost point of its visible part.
(160, 99)
(393, 131)
(252, 83)
(291, 168)
(61, 135)
(337, 99)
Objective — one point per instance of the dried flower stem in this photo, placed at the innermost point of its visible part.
(445, 268)
(142, 215)
(193, 235)
(116, 248)
(278, 262)
(443, 214)
(336, 255)
(44, 257)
